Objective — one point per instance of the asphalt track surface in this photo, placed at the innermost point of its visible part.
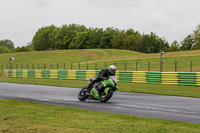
(135, 104)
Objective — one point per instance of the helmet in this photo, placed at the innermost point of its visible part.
(112, 69)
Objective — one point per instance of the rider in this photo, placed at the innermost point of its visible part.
(102, 74)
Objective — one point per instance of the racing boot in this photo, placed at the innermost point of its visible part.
(97, 88)
(100, 88)
(89, 87)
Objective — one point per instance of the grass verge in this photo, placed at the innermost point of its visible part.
(56, 59)
(19, 116)
(174, 90)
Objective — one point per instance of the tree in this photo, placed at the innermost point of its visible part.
(7, 43)
(4, 49)
(174, 47)
(107, 38)
(132, 42)
(118, 40)
(151, 43)
(130, 32)
(75, 36)
(61, 40)
(196, 36)
(188, 43)
(66, 34)
(24, 49)
(94, 37)
(164, 45)
(43, 39)
(80, 41)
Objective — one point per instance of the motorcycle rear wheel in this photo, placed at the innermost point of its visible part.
(105, 97)
(82, 96)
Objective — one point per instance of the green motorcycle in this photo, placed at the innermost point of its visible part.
(107, 85)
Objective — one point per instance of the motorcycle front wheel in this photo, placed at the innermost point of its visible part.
(105, 97)
(82, 96)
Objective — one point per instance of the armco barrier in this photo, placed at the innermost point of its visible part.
(175, 78)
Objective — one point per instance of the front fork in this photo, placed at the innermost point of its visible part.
(106, 90)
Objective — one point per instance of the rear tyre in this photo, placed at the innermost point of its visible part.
(82, 96)
(105, 97)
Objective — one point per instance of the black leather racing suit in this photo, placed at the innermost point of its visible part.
(103, 73)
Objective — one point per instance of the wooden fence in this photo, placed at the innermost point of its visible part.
(173, 66)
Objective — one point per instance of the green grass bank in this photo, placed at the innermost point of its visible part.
(99, 58)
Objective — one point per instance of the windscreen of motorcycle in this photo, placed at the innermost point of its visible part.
(114, 79)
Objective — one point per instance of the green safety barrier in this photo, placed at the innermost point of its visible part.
(176, 78)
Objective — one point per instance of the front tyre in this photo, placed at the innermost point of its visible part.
(105, 97)
(82, 96)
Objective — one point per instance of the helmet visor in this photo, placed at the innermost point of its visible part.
(113, 71)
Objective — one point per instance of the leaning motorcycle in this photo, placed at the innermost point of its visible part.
(110, 86)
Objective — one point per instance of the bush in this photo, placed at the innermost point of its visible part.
(4, 50)
(24, 49)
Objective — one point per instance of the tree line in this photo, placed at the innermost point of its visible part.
(75, 36)
(7, 46)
